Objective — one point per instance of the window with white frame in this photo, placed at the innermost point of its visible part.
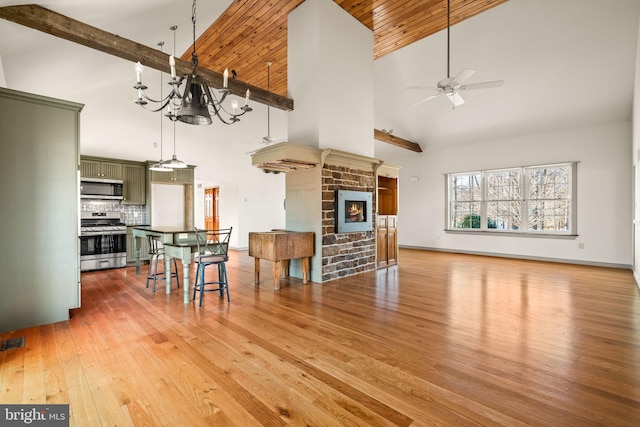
(533, 199)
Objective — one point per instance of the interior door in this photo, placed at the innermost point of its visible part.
(211, 217)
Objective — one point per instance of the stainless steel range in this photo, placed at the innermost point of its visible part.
(103, 241)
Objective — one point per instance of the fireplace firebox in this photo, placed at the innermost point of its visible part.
(353, 211)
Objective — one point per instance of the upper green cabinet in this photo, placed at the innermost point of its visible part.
(177, 176)
(135, 185)
(100, 169)
(133, 175)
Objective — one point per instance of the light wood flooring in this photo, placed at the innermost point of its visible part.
(441, 340)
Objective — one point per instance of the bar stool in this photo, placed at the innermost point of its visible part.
(213, 246)
(157, 251)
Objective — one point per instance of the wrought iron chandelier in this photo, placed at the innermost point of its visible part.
(198, 102)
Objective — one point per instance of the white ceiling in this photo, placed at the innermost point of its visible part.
(565, 63)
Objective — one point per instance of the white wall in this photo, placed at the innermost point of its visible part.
(250, 200)
(3, 82)
(635, 157)
(254, 203)
(604, 193)
(168, 205)
(330, 72)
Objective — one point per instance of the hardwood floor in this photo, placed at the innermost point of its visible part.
(442, 339)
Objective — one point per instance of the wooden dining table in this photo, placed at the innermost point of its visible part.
(178, 243)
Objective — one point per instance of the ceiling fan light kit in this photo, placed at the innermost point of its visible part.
(451, 86)
(198, 102)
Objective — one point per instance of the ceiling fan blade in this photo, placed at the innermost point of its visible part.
(421, 88)
(455, 99)
(270, 140)
(426, 99)
(445, 82)
(462, 76)
(483, 85)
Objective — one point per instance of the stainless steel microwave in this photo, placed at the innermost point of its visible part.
(99, 188)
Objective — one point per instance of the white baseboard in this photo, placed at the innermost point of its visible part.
(532, 258)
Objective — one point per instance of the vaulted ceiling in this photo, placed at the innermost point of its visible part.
(251, 33)
(565, 64)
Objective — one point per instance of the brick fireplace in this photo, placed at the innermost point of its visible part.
(313, 177)
(345, 254)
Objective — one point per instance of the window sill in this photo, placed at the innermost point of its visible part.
(513, 234)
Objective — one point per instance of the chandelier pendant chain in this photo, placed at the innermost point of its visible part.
(194, 57)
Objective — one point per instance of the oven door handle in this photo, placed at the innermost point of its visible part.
(102, 233)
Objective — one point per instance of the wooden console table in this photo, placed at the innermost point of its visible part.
(280, 247)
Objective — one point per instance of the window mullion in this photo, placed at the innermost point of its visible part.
(524, 187)
(483, 203)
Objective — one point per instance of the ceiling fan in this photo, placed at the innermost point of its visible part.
(452, 85)
(267, 140)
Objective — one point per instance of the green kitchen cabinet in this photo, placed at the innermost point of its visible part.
(177, 176)
(135, 184)
(90, 168)
(40, 263)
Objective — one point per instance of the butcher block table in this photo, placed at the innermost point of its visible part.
(280, 246)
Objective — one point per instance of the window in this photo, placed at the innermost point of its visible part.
(535, 199)
(467, 197)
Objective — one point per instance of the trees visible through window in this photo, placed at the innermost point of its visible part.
(536, 199)
(549, 198)
(467, 196)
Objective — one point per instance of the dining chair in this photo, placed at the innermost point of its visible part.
(156, 251)
(213, 246)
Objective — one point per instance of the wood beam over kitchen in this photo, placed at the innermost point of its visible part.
(47, 21)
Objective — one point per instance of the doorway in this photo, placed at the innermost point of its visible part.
(211, 217)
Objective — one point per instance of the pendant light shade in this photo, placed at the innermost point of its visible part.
(174, 163)
(160, 167)
(193, 109)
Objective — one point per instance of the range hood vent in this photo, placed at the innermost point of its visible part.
(286, 157)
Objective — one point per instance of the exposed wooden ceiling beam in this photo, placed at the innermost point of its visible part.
(50, 22)
(397, 141)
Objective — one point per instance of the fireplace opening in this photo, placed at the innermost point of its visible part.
(353, 211)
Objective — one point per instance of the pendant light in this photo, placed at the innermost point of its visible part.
(160, 166)
(174, 163)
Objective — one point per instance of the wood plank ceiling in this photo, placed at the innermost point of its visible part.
(251, 33)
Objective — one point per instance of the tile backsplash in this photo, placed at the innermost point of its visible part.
(129, 214)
